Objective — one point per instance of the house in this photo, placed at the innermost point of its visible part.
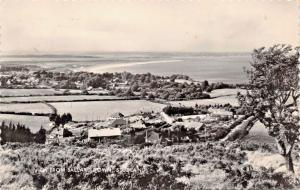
(104, 134)
(220, 113)
(166, 118)
(145, 136)
(76, 131)
(193, 125)
(138, 125)
(117, 115)
(118, 123)
(152, 137)
(102, 124)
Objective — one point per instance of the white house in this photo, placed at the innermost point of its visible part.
(138, 125)
(103, 134)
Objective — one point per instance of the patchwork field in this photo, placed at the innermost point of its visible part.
(33, 108)
(102, 109)
(226, 92)
(35, 92)
(56, 98)
(220, 100)
(219, 96)
(32, 122)
(27, 92)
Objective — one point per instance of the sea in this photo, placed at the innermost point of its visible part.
(214, 67)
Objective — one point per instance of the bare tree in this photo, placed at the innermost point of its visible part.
(272, 95)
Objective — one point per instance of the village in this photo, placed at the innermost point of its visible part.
(171, 125)
(124, 84)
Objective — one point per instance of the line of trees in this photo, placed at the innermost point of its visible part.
(170, 110)
(60, 119)
(19, 133)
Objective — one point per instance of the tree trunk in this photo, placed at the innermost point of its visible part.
(240, 130)
(289, 162)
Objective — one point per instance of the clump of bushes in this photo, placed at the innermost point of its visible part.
(19, 133)
(170, 110)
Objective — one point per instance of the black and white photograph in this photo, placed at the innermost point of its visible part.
(149, 94)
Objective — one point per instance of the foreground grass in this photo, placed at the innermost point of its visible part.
(186, 166)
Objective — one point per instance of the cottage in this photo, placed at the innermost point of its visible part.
(118, 123)
(104, 134)
(152, 137)
(138, 125)
(166, 118)
(102, 124)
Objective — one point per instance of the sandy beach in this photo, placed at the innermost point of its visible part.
(107, 67)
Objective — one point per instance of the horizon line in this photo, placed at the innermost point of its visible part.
(96, 52)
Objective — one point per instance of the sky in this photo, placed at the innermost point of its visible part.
(33, 26)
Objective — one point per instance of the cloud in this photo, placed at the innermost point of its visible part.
(146, 25)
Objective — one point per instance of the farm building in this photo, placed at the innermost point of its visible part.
(104, 134)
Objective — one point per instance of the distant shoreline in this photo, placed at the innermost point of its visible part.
(105, 67)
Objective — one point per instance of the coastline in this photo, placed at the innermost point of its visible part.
(106, 67)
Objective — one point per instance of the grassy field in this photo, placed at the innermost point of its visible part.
(226, 92)
(220, 100)
(219, 96)
(31, 92)
(32, 122)
(33, 108)
(56, 98)
(82, 111)
(27, 92)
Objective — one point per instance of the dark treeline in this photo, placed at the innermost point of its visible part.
(200, 109)
(170, 110)
(19, 133)
(24, 113)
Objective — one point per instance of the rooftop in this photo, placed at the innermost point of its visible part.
(108, 132)
(117, 115)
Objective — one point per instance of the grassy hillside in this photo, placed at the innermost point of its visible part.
(185, 166)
